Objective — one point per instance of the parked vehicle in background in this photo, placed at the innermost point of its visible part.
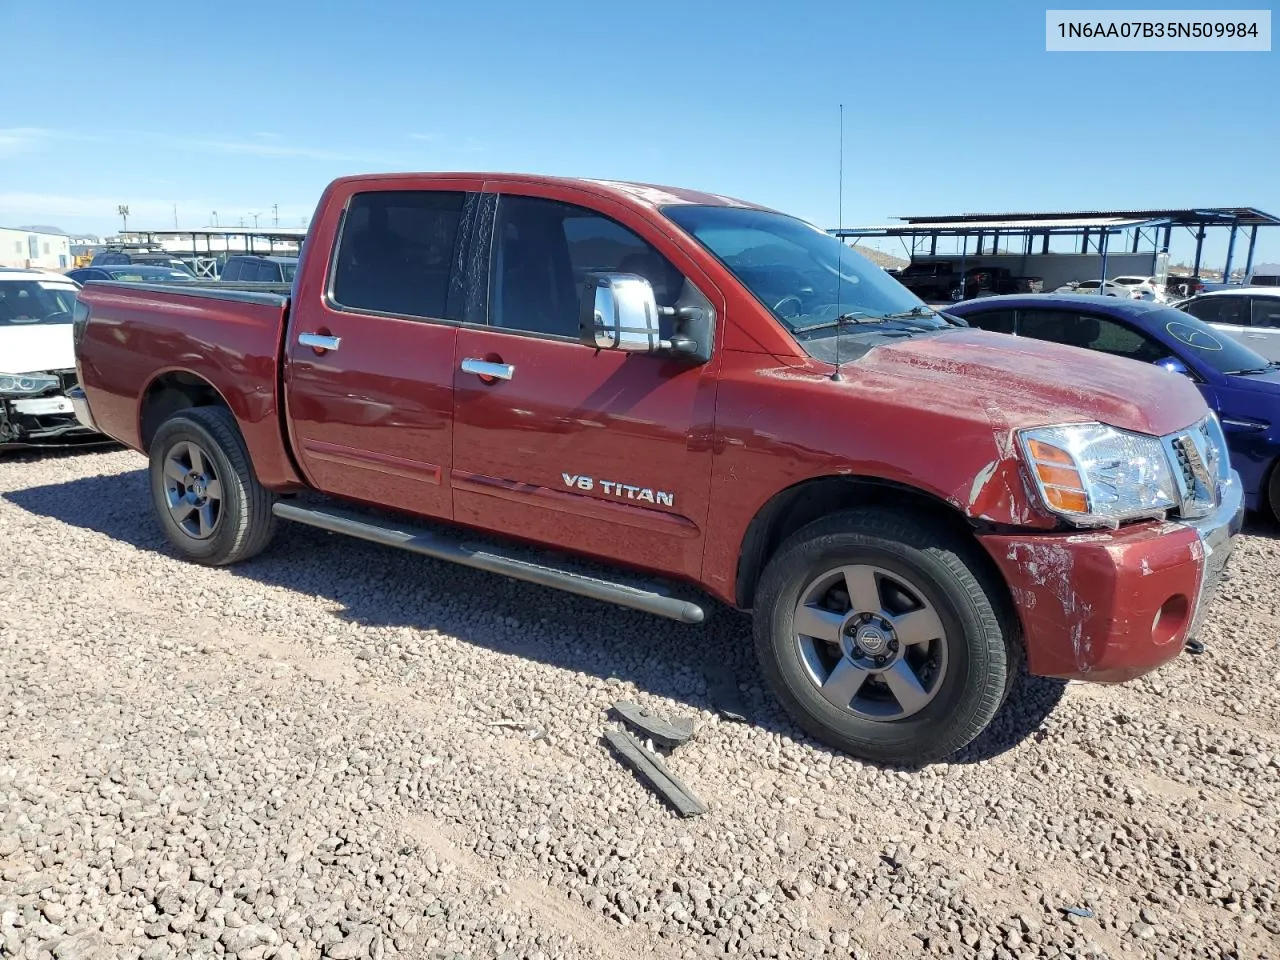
(931, 280)
(259, 269)
(647, 377)
(1149, 288)
(117, 258)
(1177, 287)
(1250, 315)
(984, 281)
(1106, 288)
(1241, 385)
(37, 359)
(1264, 275)
(939, 280)
(134, 273)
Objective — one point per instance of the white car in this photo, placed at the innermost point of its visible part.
(1107, 288)
(1248, 314)
(37, 359)
(1147, 288)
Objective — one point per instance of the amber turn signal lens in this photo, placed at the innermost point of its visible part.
(1073, 501)
(1061, 482)
(1047, 453)
(1058, 476)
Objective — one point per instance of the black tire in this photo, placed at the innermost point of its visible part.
(982, 658)
(243, 522)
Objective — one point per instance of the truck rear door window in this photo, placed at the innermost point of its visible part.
(397, 251)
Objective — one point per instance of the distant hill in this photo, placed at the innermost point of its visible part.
(881, 259)
(45, 229)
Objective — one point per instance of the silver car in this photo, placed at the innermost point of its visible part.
(1248, 314)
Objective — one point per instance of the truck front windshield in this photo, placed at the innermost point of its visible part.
(806, 278)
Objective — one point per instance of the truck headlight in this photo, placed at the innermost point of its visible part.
(24, 384)
(1098, 476)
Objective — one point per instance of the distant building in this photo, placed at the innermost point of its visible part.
(1265, 275)
(26, 248)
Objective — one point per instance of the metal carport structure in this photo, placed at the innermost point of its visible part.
(1138, 228)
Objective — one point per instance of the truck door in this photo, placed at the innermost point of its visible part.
(597, 451)
(369, 358)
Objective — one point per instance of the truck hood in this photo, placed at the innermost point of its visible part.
(36, 347)
(1036, 383)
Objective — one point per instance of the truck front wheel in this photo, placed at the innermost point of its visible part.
(882, 637)
(209, 502)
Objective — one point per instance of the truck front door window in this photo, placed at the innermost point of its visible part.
(543, 251)
(396, 253)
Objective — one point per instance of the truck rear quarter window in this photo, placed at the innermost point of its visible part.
(232, 270)
(543, 251)
(396, 252)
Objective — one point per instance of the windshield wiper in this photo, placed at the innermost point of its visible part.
(840, 321)
(1253, 372)
(920, 313)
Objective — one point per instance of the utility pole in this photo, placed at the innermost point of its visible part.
(275, 214)
(215, 218)
(123, 212)
(175, 216)
(255, 219)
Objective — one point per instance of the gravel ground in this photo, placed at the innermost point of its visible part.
(300, 757)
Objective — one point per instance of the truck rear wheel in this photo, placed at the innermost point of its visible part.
(209, 502)
(882, 637)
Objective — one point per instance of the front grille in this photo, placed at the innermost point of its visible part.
(1198, 465)
(1180, 445)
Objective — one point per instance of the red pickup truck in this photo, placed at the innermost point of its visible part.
(551, 378)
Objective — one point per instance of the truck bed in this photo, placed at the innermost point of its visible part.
(147, 340)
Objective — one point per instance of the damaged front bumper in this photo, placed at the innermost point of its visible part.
(1109, 606)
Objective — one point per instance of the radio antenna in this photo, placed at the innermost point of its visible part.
(836, 374)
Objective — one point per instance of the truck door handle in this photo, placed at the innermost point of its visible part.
(318, 341)
(487, 368)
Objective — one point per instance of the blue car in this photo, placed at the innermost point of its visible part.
(1241, 386)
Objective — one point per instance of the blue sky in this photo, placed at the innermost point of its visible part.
(949, 107)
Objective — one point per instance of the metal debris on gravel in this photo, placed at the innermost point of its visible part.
(666, 733)
(289, 759)
(650, 768)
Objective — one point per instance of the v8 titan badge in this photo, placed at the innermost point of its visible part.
(614, 488)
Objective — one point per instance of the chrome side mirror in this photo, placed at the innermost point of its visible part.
(619, 312)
